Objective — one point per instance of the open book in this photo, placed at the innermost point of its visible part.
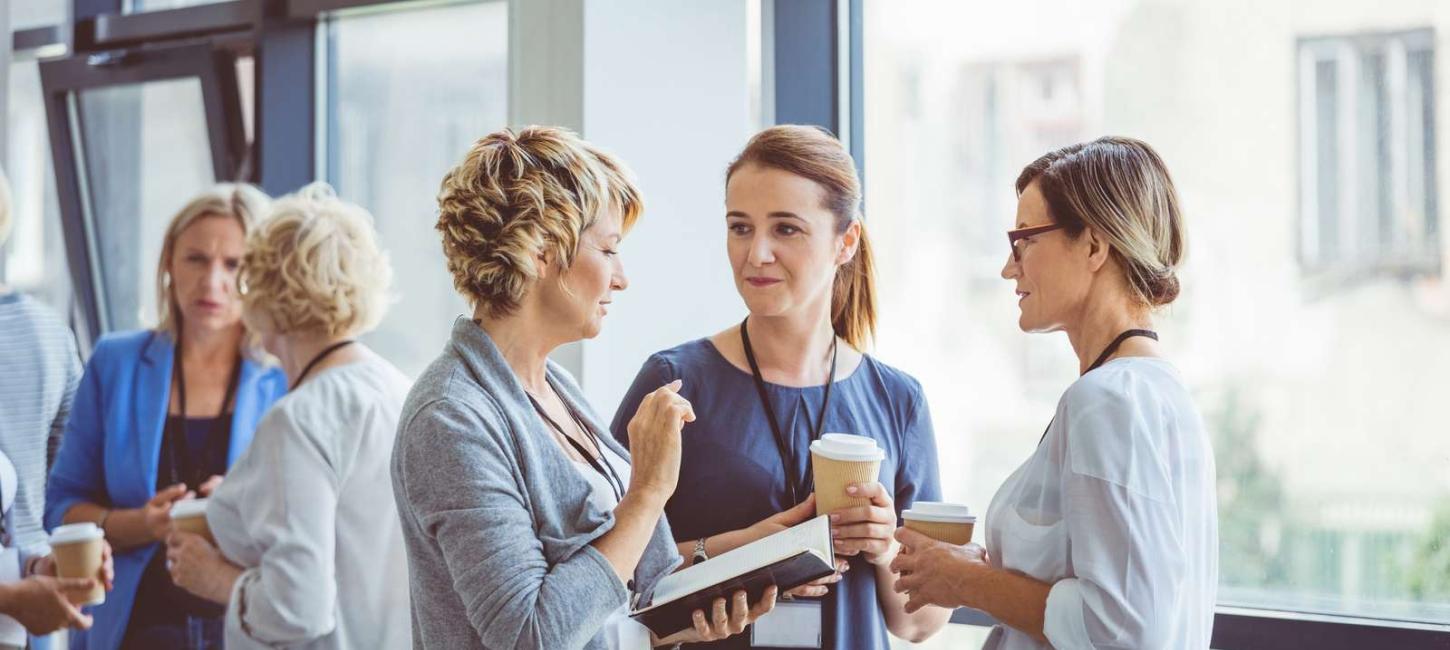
(787, 559)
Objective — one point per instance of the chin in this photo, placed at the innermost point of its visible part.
(763, 306)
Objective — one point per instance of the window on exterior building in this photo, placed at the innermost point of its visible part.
(1368, 197)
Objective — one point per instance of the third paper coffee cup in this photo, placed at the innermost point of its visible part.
(945, 522)
(190, 516)
(78, 550)
(838, 460)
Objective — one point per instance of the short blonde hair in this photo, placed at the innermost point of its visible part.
(235, 200)
(4, 208)
(1121, 189)
(516, 195)
(313, 266)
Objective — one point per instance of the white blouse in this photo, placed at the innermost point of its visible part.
(308, 511)
(1116, 509)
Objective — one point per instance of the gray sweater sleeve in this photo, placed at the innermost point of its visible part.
(464, 488)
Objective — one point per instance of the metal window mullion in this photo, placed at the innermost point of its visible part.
(1397, 80)
(1309, 159)
(1347, 89)
(87, 213)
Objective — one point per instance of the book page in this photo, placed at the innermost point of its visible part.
(813, 535)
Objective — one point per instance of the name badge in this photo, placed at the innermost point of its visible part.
(792, 624)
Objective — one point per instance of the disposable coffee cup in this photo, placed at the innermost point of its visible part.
(78, 549)
(838, 460)
(945, 522)
(189, 516)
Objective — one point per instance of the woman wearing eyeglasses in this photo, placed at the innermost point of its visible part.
(1107, 536)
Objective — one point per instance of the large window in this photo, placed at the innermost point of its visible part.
(396, 124)
(1324, 399)
(34, 256)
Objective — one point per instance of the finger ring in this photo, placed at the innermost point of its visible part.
(787, 597)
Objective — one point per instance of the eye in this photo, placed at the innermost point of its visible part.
(787, 229)
(739, 229)
(233, 264)
(610, 252)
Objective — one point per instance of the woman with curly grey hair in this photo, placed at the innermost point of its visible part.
(523, 518)
(307, 552)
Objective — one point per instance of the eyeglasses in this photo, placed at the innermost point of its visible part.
(1016, 236)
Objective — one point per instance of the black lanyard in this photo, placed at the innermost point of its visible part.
(181, 469)
(782, 444)
(318, 359)
(602, 464)
(1103, 358)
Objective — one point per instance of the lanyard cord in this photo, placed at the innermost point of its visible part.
(318, 359)
(782, 445)
(174, 440)
(1103, 358)
(602, 464)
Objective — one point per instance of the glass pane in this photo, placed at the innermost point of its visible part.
(398, 124)
(25, 14)
(146, 154)
(35, 259)
(1322, 391)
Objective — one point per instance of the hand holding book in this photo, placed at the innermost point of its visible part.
(718, 624)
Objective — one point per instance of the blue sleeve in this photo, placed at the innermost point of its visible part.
(918, 477)
(79, 473)
(656, 372)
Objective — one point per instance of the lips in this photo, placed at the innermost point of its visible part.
(1022, 295)
(762, 282)
(209, 305)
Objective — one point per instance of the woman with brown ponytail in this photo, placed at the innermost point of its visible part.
(793, 369)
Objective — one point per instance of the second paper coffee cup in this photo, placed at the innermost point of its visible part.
(838, 460)
(945, 522)
(190, 516)
(78, 549)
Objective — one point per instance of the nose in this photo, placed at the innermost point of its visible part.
(220, 278)
(760, 251)
(619, 282)
(1012, 269)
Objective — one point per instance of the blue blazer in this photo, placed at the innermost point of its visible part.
(112, 446)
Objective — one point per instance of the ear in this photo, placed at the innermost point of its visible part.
(1098, 250)
(850, 242)
(544, 262)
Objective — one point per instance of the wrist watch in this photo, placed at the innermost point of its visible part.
(699, 555)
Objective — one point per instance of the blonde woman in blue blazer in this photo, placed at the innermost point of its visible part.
(158, 417)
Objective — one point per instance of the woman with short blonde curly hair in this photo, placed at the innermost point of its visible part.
(521, 516)
(297, 522)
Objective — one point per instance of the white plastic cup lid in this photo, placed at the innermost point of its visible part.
(188, 508)
(72, 533)
(847, 447)
(938, 511)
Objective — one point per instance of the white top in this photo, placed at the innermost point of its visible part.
(1117, 510)
(619, 631)
(308, 510)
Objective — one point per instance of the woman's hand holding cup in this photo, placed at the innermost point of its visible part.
(157, 512)
(654, 440)
(866, 530)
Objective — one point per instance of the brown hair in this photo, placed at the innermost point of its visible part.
(814, 154)
(516, 194)
(1121, 189)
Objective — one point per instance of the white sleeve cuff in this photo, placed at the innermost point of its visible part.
(237, 608)
(1063, 623)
